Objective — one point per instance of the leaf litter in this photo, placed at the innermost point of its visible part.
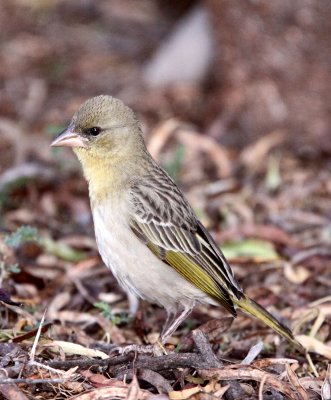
(265, 198)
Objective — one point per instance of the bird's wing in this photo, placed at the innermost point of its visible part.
(166, 223)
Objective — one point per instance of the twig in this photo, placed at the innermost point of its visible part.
(88, 363)
(204, 348)
(47, 368)
(170, 361)
(254, 351)
(26, 171)
(247, 372)
(28, 381)
(311, 364)
(305, 254)
(35, 342)
(9, 390)
(205, 359)
(263, 381)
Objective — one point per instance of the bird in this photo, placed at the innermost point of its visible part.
(146, 231)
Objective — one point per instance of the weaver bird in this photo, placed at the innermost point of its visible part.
(146, 231)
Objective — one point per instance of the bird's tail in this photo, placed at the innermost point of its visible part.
(254, 309)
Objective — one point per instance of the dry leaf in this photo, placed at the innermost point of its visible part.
(295, 382)
(184, 394)
(247, 372)
(253, 353)
(314, 345)
(314, 384)
(133, 391)
(99, 380)
(296, 274)
(187, 393)
(112, 392)
(326, 388)
(74, 348)
(267, 362)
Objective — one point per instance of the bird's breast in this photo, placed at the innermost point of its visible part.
(132, 263)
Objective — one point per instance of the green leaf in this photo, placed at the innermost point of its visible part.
(22, 234)
(273, 178)
(14, 268)
(258, 250)
(105, 309)
(107, 312)
(61, 250)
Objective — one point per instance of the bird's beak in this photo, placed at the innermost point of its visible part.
(69, 138)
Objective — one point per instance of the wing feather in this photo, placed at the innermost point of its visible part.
(165, 222)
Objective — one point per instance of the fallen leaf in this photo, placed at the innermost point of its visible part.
(326, 388)
(184, 394)
(267, 362)
(254, 155)
(112, 392)
(296, 274)
(247, 372)
(99, 380)
(257, 250)
(74, 348)
(253, 353)
(295, 382)
(133, 391)
(312, 344)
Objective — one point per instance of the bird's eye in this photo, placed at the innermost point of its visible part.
(94, 131)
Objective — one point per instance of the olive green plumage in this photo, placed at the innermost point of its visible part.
(146, 231)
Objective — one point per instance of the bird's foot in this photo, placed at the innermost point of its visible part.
(156, 349)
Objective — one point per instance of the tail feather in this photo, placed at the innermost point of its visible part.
(254, 309)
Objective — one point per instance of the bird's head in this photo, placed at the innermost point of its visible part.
(102, 127)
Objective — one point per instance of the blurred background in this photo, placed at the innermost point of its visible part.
(236, 71)
(234, 99)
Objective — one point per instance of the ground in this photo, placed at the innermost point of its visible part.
(248, 142)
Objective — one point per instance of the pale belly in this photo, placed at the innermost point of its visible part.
(137, 269)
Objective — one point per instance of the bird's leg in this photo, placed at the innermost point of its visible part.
(172, 323)
(133, 303)
(174, 319)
